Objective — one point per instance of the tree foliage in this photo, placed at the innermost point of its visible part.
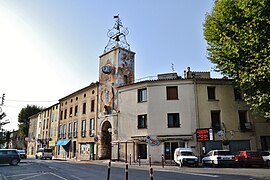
(238, 38)
(23, 118)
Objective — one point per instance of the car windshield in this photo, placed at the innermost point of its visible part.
(253, 154)
(265, 153)
(223, 153)
(187, 153)
(48, 150)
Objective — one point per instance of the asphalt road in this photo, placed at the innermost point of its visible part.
(31, 169)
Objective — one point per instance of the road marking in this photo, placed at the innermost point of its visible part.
(206, 175)
(58, 176)
(194, 174)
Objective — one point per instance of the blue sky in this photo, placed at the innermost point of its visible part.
(51, 48)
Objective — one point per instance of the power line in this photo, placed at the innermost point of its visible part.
(16, 100)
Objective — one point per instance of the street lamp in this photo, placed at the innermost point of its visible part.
(110, 135)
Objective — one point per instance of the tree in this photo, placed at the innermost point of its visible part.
(238, 38)
(23, 118)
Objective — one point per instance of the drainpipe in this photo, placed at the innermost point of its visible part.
(96, 124)
(197, 114)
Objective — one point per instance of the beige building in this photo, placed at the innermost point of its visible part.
(220, 106)
(77, 124)
(155, 117)
(53, 129)
(32, 135)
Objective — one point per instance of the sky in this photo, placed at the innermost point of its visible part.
(50, 48)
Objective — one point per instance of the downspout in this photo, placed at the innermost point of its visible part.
(197, 114)
(96, 124)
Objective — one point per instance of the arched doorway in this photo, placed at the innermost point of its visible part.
(106, 138)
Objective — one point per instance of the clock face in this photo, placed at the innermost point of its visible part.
(107, 69)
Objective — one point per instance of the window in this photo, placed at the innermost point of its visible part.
(84, 108)
(56, 116)
(243, 119)
(172, 93)
(65, 114)
(52, 117)
(92, 105)
(169, 148)
(69, 130)
(76, 110)
(238, 96)
(142, 95)
(64, 130)
(142, 151)
(211, 91)
(173, 120)
(92, 127)
(142, 121)
(75, 129)
(61, 115)
(70, 111)
(60, 132)
(83, 129)
(215, 119)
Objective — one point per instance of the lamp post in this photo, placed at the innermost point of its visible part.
(110, 135)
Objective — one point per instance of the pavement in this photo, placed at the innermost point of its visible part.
(263, 173)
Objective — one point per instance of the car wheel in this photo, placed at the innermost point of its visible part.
(14, 162)
(50, 158)
(36, 156)
(268, 163)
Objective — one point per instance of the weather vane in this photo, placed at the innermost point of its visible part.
(117, 36)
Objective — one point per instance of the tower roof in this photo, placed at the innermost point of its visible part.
(117, 36)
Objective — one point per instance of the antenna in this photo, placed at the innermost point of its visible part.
(172, 66)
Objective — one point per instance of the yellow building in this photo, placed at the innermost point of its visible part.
(77, 124)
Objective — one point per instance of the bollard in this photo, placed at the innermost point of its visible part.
(162, 160)
(130, 159)
(126, 171)
(109, 171)
(151, 174)
(139, 160)
(150, 160)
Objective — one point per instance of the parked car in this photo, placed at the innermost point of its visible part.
(9, 156)
(22, 154)
(218, 158)
(185, 156)
(44, 153)
(266, 157)
(249, 158)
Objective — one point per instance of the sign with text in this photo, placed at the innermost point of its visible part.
(205, 134)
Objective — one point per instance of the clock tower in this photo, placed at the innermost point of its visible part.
(116, 68)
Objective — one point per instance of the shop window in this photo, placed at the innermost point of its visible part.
(142, 151)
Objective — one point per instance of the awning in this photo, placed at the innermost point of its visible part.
(62, 142)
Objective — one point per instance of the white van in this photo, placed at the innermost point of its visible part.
(44, 153)
(185, 156)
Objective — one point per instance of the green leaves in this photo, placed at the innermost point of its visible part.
(238, 38)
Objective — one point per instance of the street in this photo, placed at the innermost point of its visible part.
(55, 170)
